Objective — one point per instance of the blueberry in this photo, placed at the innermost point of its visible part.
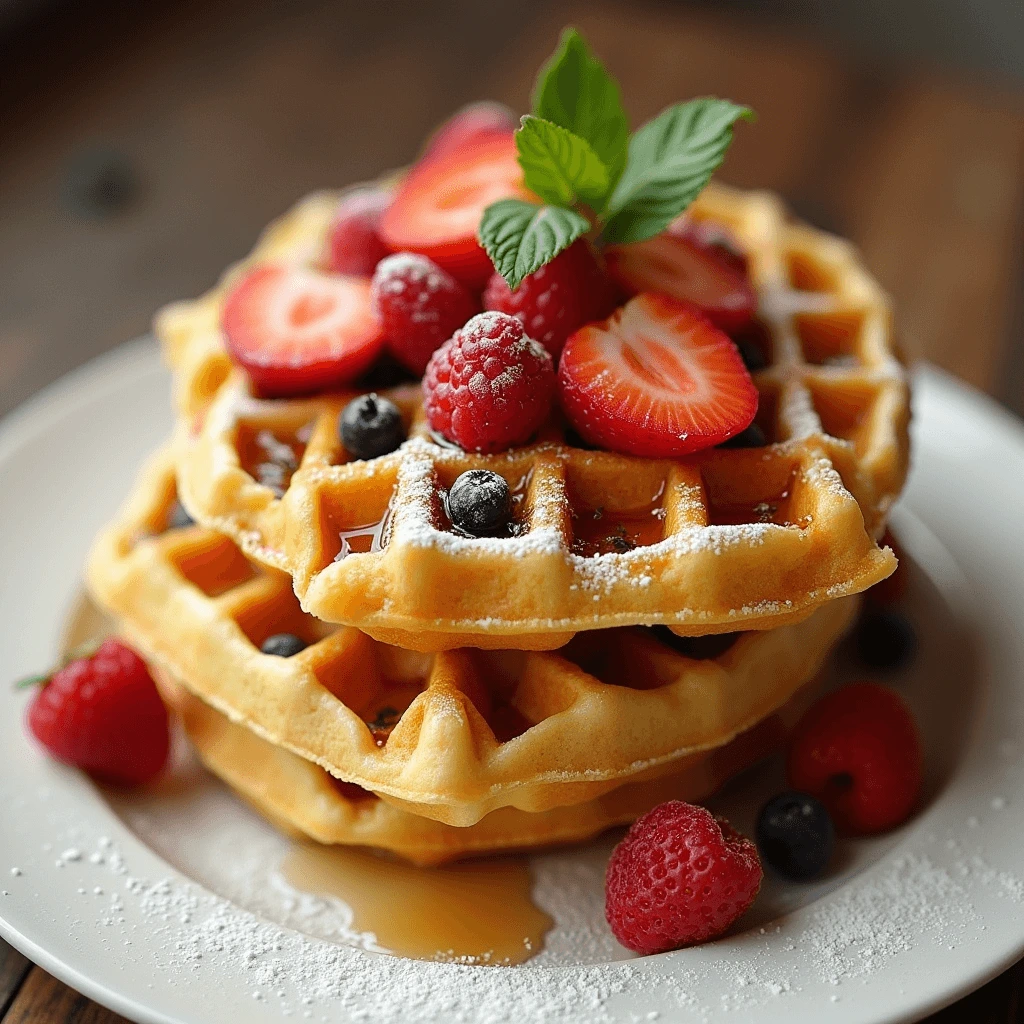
(885, 639)
(752, 437)
(751, 353)
(480, 502)
(283, 645)
(179, 518)
(699, 648)
(795, 835)
(371, 426)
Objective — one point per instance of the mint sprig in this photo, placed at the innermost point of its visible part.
(577, 157)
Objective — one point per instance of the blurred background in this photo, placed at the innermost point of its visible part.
(144, 145)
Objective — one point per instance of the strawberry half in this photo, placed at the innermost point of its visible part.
(297, 330)
(679, 266)
(438, 207)
(656, 379)
(475, 121)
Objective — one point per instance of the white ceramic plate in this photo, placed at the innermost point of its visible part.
(125, 900)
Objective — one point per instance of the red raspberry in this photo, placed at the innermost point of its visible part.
(857, 750)
(490, 386)
(354, 245)
(421, 306)
(570, 291)
(103, 714)
(679, 877)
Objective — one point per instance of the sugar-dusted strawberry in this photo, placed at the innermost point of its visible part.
(714, 237)
(656, 379)
(421, 306)
(555, 300)
(438, 207)
(681, 876)
(354, 245)
(481, 120)
(679, 266)
(858, 751)
(102, 713)
(297, 330)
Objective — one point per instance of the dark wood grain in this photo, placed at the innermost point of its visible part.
(227, 114)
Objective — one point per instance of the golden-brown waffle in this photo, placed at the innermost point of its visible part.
(725, 540)
(450, 736)
(303, 799)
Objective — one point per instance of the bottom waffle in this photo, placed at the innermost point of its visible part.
(304, 800)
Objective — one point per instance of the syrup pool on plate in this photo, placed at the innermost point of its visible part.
(478, 911)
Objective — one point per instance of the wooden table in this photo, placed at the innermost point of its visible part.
(225, 116)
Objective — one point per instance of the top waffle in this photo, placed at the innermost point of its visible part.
(724, 540)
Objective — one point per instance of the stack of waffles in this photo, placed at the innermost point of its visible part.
(650, 629)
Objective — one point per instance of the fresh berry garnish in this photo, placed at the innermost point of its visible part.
(857, 750)
(297, 331)
(885, 640)
(795, 835)
(420, 305)
(179, 517)
(751, 353)
(490, 386)
(354, 245)
(752, 437)
(554, 301)
(714, 237)
(103, 714)
(679, 877)
(699, 648)
(283, 645)
(677, 266)
(482, 120)
(480, 503)
(438, 206)
(370, 427)
(657, 379)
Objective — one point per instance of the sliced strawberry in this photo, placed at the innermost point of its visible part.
(296, 330)
(679, 266)
(475, 121)
(656, 379)
(438, 207)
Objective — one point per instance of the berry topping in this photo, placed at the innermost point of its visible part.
(283, 645)
(420, 305)
(752, 437)
(482, 120)
(714, 237)
(179, 517)
(480, 503)
(353, 244)
(103, 714)
(885, 640)
(857, 751)
(438, 206)
(699, 648)
(795, 835)
(297, 331)
(370, 427)
(678, 878)
(554, 301)
(751, 353)
(656, 379)
(489, 386)
(678, 266)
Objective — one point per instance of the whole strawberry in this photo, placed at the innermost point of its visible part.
(103, 714)
(490, 386)
(552, 302)
(679, 877)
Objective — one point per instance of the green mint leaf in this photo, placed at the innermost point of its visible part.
(521, 237)
(31, 681)
(560, 166)
(575, 91)
(670, 160)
